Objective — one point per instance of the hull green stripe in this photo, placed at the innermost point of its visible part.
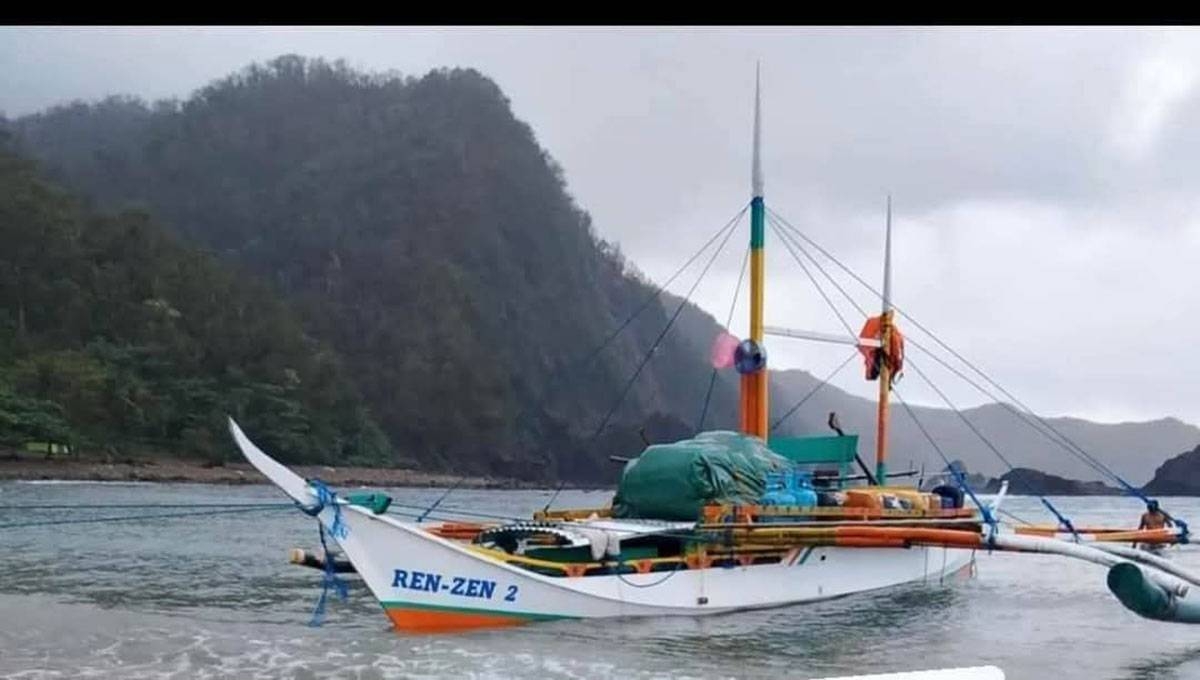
(804, 557)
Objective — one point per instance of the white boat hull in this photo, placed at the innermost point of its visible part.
(427, 583)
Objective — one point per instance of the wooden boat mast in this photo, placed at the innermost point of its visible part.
(885, 371)
(754, 384)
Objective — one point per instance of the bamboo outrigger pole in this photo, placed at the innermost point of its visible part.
(885, 371)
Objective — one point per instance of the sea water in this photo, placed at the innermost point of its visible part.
(214, 597)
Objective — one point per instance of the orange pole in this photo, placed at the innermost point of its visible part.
(885, 387)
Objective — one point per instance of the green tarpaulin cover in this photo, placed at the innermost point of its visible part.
(674, 481)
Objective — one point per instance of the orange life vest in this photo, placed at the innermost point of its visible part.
(894, 355)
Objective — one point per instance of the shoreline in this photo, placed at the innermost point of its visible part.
(236, 474)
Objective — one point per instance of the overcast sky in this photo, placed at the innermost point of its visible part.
(1046, 200)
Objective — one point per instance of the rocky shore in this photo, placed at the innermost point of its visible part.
(24, 467)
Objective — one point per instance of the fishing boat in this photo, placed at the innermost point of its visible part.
(722, 522)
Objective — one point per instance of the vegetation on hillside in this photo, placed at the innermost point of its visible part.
(416, 229)
(115, 336)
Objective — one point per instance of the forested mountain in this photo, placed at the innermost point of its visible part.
(422, 251)
(416, 227)
(114, 335)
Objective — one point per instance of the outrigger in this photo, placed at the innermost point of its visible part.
(722, 522)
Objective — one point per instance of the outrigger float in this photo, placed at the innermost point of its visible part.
(720, 523)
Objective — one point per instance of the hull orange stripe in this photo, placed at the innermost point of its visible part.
(429, 621)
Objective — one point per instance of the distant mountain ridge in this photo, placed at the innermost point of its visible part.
(1132, 450)
(1178, 476)
(1024, 481)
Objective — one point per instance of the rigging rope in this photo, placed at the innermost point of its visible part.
(958, 475)
(1063, 520)
(658, 340)
(559, 374)
(1012, 516)
(787, 245)
(433, 506)
(1063, 441)
(789, 241)
(650, 353)
(814, 390)
(725, 230)
(659, 290)
(136, 518)
(140, 506)
(712, 380)
(329, 579)
(659, 582)
(779, 225)
(1021, 415)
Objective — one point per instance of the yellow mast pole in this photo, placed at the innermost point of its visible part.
(754, 384)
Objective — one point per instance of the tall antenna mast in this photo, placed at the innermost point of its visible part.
(754, 371)
(887, 260)
(885, 371)
(756, 176)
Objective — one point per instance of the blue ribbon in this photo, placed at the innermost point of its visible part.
(329, 579)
